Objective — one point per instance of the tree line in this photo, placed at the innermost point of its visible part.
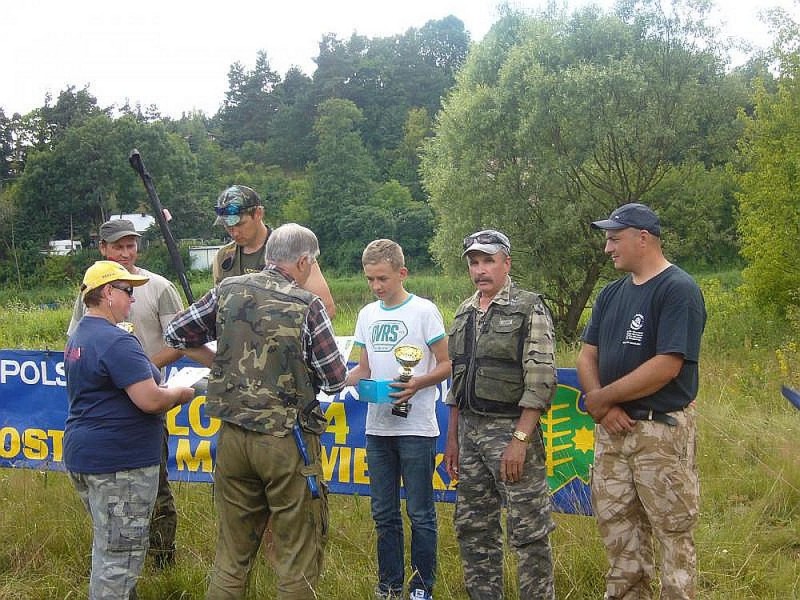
(319, 149)
(548, 123)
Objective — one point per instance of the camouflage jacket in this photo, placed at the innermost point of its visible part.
(260, 379)
(505, 361)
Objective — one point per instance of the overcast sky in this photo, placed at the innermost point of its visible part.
(176, 54)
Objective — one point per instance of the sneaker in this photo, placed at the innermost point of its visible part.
(390, 595)
(419, 595)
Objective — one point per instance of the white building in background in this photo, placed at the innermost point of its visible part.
(202, 257)
(61, 247)
(141, 221)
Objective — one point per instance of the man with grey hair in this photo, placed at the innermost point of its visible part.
(275, 351)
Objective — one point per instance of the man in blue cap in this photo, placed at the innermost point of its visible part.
(638, 367)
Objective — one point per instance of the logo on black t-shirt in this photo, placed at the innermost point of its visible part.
(634, 334)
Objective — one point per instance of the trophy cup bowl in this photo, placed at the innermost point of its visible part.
(408, 355)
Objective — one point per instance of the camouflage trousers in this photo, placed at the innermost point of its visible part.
(645, 485)
(258, 476)
(480, 496)
(120, 505)
(165, 518)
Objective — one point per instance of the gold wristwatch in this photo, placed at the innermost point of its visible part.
(522, 436)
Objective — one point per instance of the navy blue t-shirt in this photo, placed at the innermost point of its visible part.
(631, 324)
(105, 431)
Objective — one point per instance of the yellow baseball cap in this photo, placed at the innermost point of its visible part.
(106, 271)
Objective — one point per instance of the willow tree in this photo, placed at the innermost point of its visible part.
(554, 121)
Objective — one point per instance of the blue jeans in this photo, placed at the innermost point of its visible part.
(413, 458)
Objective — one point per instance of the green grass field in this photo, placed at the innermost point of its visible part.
(749, 533)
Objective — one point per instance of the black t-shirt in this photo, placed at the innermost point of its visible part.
(631, 323)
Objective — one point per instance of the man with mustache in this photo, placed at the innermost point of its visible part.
(501, 345)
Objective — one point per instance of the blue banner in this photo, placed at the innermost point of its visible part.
(33, 410)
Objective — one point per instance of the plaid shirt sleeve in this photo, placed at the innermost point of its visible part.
(538, 362)
(195, 326)
(322, 355)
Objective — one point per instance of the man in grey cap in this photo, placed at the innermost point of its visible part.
(501, 344)
(157, 303)
(638, 368)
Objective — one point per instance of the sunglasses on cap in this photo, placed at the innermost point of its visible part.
(128, 289)
(486, 237)
(230, 210)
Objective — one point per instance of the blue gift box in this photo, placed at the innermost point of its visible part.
(375, 390)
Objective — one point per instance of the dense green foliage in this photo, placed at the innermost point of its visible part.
(343, 142)
(557, 120)
(549, 122)
(770, 187)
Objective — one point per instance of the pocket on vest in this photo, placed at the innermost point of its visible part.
(499, 385)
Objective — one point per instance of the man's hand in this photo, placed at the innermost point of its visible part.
(451, 457)
(403, 390)
(513, 461)
(617, 421)
(596, 405)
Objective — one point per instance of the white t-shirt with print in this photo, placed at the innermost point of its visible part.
(379, 330)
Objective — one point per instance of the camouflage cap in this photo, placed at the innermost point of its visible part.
(232, 202)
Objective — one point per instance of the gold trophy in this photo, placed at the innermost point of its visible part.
(408, 355)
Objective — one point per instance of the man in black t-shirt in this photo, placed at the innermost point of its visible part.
(638, 369)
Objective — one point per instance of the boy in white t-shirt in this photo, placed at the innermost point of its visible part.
(401, 447)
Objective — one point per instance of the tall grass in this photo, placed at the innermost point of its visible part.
(748, 538)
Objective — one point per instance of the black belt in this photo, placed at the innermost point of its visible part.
(644, 414)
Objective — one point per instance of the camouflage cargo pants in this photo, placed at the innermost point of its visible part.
(165, 518)
(645, 485)
(120, 505)
(480, 497)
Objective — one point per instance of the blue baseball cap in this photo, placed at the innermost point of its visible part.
(633, 215)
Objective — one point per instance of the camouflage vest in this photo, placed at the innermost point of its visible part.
(488, 378)
(228, 262)
(259, 379)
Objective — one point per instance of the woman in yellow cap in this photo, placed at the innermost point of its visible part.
(112, 438)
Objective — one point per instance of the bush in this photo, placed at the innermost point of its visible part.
(156, 258)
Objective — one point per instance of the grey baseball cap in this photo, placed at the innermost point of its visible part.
(111, 231)
(488, 241)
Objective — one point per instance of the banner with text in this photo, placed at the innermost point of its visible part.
(33, 410)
